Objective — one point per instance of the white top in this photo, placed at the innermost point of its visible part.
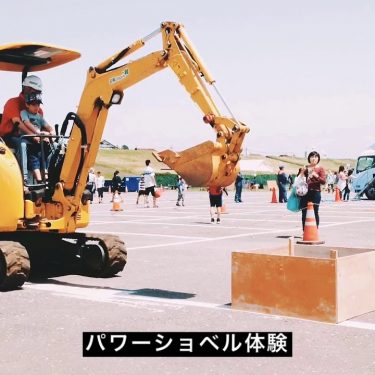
(149, 176)
(341, 183)
(99, 182)
(92, 177)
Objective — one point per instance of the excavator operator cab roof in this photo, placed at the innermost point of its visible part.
(33, 57)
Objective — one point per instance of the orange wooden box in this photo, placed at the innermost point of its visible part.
(329, 284)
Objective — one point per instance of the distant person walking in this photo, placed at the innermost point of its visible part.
(348, 185)
(150, 182)
(116, 184)
(216, 202)
(141, 190)
(181, 186)
(341, 180)
(90, 186)
(282, 184)
(315, 178)
(238, 185)
(330, 182)
(100, 186)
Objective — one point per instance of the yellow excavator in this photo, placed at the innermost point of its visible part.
(38, 223)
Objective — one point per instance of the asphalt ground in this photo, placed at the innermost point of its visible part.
(178, 278)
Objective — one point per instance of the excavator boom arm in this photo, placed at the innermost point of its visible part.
(210, 163)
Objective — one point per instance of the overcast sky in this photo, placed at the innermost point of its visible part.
(300, 74)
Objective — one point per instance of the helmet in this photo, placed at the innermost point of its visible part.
(34, 82)
(33, 97)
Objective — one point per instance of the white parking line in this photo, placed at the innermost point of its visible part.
(356, 324)
(145, 234)
(200, 239)
(159, 223)
(206, 239)
(126, 297)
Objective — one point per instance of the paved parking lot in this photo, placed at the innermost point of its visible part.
(178, 279)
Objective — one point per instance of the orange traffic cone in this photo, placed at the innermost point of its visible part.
(224, 209)
(310, 234)
(274, 199)
(337, 196)
(116, 206)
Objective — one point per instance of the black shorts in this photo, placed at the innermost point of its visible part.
(149, 190)
(216, 200)
(141, 192)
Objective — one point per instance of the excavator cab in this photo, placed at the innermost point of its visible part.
(32, 57)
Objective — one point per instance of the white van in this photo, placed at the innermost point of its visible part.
(364, 178)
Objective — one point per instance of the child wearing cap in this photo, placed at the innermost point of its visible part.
(36, 124)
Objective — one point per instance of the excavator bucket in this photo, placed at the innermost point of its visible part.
(203, 165)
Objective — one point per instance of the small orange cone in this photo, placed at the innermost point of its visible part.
(274, 199)
(310, 234)
(224, 209)
(116, 206)
(337, 196)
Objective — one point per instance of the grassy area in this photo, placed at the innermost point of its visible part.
(132, 162)
(128, 162)
(293, 163)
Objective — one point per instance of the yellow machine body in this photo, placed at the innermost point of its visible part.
(11, 191)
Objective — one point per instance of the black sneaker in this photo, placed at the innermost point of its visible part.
(217, 221)
(212, 220)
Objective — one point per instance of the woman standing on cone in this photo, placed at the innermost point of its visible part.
(315, 178)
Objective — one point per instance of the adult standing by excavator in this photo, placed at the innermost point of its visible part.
(11, 124)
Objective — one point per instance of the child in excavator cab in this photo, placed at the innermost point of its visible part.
(11, 124)
(35, 122)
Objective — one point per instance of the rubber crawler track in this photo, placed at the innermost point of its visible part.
(14, 265)
(116, 254)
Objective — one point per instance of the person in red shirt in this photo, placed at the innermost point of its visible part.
(216, 200)
(11, 124)
(315, 178)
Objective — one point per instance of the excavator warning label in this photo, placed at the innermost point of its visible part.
(122, 76)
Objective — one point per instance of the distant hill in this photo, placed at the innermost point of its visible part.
(132, 163)
(270, 164)
(128, 162)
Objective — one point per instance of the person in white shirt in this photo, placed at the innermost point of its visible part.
(91, 182)
(99, 181)
(150, 182)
